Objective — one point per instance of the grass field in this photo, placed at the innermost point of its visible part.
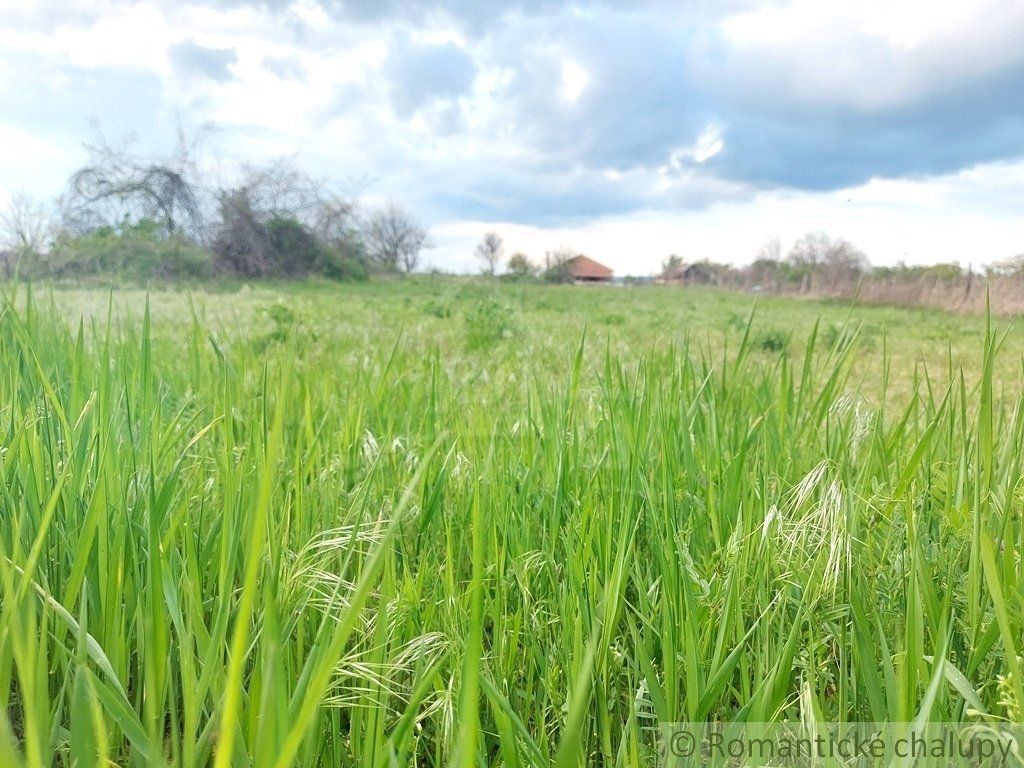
(447, 523)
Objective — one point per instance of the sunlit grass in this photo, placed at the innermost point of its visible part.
(364, 532)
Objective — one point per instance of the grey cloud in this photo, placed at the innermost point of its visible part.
(641, 101)
(817, 114)
(780, 136)
(421, 74)
(655, 85)
(189, 58)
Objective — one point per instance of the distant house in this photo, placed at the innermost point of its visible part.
(585, 270)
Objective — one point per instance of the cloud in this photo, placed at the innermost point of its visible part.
(57, 100)
(544, 112)
(420, 74)
(190, 59)
(826, 95)
(285, 67)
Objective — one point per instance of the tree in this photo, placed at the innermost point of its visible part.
(836, 260)
(336, 226)
(117, 188)
(809, 251)
(520, 266)
(394, 239)
(1011, 267)
(25, 225)
(556, 266)
(277, 221)
(672, 263)
(770, 251)
(280, 188)
(242, 242)
(490, 251)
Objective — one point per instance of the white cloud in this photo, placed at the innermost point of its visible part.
(35, 165)
(920, 222)
(572, 115)
(875, 53)
(134, 38)
(574, 81)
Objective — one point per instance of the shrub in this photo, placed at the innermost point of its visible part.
(138, 252)
(285, 322)
(247, 245)
(771, 341)
(520, 267)
(438, 308)
(488, 323)
(294, 250)
(345, 261)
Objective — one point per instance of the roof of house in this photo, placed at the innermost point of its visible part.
(584, 267)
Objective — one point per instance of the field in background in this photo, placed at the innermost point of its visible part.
(490, 524)
(517, 326)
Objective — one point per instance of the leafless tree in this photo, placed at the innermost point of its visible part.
(770, 250)
(241, 242)
(490, 251)
(836, 261)
(810, 250)
(334, 219)
(394, 239)
(116, 186)
(281, 188)
(25, 225)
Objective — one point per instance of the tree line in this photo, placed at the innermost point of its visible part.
(139, 217)
(820, 263)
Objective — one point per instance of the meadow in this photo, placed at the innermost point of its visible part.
(435, 522)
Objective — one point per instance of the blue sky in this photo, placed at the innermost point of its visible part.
(624, 130)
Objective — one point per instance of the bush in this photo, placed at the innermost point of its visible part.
(284, 322)
(488, 323)
(294, 250)
(345, 261)
(771, 341)
(281, 247)
(136, 252)
(438, 308)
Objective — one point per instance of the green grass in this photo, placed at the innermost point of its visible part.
(445, 523)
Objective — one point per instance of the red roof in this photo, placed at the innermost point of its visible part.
(582, 267)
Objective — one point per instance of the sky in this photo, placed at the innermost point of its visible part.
(624, 130)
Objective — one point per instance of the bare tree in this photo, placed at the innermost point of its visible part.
(394, 239)
(836, 261)
(25, 225)
(335, 219)
(770, 250)
(281, 188)
(242, 242)
(810, 250)
(116, 186)
(490, 252)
